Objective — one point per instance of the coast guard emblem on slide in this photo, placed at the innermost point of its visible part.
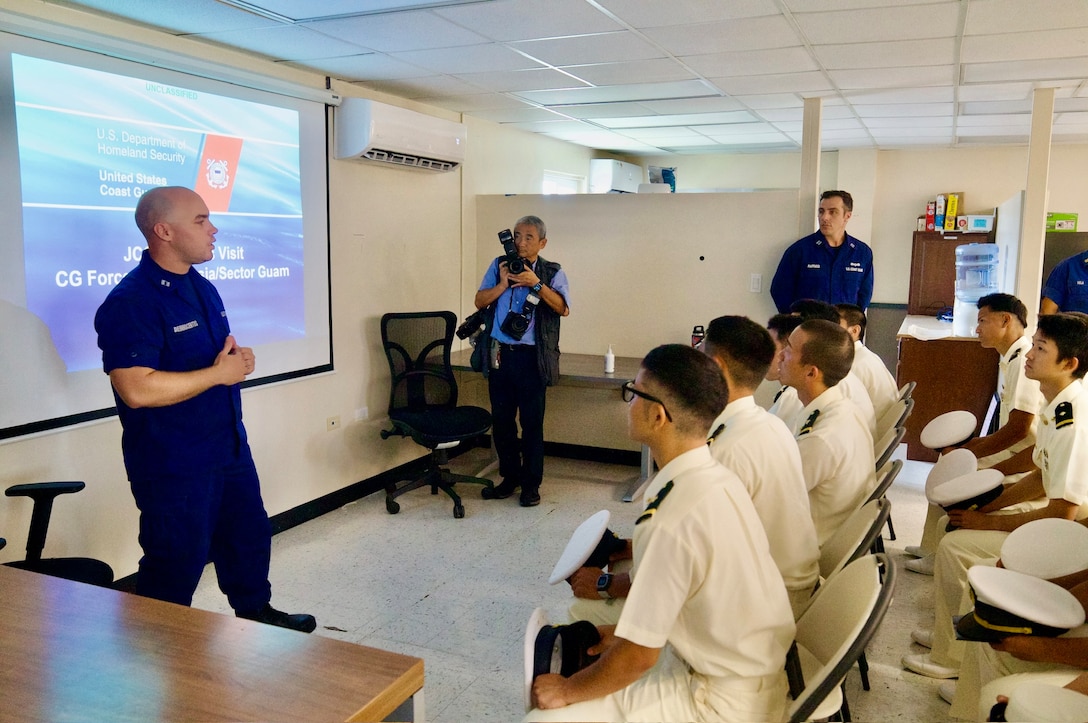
(217, 176)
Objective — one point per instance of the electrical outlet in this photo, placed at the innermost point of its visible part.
(332, 423)
(755, 283)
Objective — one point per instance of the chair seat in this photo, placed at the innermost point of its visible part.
(436, 426)
(80, 569)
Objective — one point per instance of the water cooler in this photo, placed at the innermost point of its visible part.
(976, 276)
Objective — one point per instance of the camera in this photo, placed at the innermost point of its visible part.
(472, 325)
(514, 263)
(517, 323)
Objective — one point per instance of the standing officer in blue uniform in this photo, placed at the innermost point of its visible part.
(522, 363)
(1067, 286)
(175, 371)
(829, 265)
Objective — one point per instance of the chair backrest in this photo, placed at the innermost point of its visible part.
(951, 465)
(839, 623)
(854, 537)
(885, 448)
(907, 390)
(895, 415)
(417, 346)
(885, 476)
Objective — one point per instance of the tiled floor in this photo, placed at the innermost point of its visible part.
(457, 593)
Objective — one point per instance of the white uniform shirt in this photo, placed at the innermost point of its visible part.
(837, 460)
(1061, 447)
(1017, 391)
(852, 388)
(787, 406)
(875, 377)
(704, 580)
(760, 448)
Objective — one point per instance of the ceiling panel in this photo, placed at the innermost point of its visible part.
(582, 49)
(803, 83)
(1028, 45)
(643, 14)
(416, 30)
(999, 16)
(192, 16)
(646, 71)
(527, 19)
(762, 33)
(935, 51)
(756, 62)
(891, 23)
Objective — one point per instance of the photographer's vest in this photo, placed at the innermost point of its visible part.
(547, 327)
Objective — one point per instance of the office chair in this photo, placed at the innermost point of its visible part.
(423, 400)
(80, 569)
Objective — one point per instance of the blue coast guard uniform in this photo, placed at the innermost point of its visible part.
(189, 464)
(1067, 285)
(811, 269)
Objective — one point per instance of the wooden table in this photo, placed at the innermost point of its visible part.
(73, 652)
(588, 370)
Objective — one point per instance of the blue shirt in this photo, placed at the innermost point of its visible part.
(513, 299)
(176, 323)
(811, 269)
(1067, 285)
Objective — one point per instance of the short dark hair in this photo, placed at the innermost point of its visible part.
(1005, 303)
(847, 199)
(829, 348)
(1069, 332)
(815, 309)
(541, 230)
(853, 315)
(690, 383)
(783, 325)
(745, 345)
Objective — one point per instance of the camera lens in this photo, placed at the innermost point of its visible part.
(516, 265)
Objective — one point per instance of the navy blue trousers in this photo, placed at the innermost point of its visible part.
(188, 520)
(517, 394)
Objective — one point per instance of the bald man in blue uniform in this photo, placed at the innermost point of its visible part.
(175, 371)
(1067, 286)
(829, 265)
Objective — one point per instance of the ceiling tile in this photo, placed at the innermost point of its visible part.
(604, 110)
(771, 31)
(1026, 45)
(662, 134)
(994, 91)
(1068, 105)
(335, 8)
(559, 125)
(677, 120)
(285, 42)
(469, 59)
(431, 85)
(1074, 69)
(644, 71)
(936, 75)
(934, 51)
(900, 110)
(584, 49)
(524, 114)
(506, 20)
(944, 123)
(711, 104)
(612, 93)
(192, 16)
(996, 107)
(933, 94)
(755, 62)
(1021, 129)
(1001, 16)
(826, 124)
(771, 100)
(798, 83)
(415, 30)
(1022, 122)
(476, 103)
(370, 66)
(867, 25)
(642, 14)
(811, 6)
(501, 81)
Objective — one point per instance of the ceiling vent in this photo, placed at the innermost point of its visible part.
(376, 132)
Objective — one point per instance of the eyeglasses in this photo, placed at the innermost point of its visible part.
(629, 392)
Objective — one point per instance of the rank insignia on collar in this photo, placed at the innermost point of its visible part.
(1015, 354)
(779, 393)
(809, 423)
(715, 434)
(1063, 415)
(655, 503)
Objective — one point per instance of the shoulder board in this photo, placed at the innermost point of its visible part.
(1016, 353)
(655, 503)
(779, 393)
(809, 423)
(715, 434)
(1063, 415)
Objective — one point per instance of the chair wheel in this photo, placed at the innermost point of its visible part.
(458, 511)
(391, 506)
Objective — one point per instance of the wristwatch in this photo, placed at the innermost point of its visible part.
(603, 583)
(537, 287)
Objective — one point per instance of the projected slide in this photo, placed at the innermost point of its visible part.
(90, 143)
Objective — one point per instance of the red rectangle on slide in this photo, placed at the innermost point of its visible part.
(218, 169)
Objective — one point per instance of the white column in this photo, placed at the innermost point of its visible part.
(810, 166)
(1029, 282)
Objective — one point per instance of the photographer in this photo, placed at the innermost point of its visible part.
(527, 295)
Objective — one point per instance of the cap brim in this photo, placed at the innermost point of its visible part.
(1035, 701)
(537, 621)
(580, 546)
(948, 429)
(1046, 548)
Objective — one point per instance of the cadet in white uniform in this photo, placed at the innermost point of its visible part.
(704, 632)
(868, 367)
(761, 450)
(1058, 360)
(1001, 322)
(835, 444)
(786, 406)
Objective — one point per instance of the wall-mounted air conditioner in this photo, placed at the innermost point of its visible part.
(370, 131)
(608, 176)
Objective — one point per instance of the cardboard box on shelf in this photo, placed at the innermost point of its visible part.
(975, 224)
(1061, 222)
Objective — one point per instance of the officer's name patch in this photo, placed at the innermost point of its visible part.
(186, 327)
(812, 266)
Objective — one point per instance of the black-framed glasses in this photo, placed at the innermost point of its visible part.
(629, 392)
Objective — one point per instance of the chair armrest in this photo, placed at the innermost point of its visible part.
(43, 494)
(43, 490)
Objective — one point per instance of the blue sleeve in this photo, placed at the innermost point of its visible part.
(561, 286)
(1056, 284)
(865, 290)
(491, 276)
(130, 334)
(784, 283)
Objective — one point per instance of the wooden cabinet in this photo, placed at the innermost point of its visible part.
(933, 270)
(953, 373)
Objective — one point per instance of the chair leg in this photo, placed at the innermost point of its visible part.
(891, 528)
(863, 668)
